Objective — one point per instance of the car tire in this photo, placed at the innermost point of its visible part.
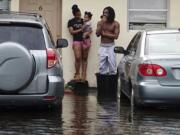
(134, 104)
(120, 94)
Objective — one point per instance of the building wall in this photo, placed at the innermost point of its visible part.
(96, 7)
(15, 5)
(174, 16)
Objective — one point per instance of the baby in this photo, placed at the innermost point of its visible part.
(87, 28)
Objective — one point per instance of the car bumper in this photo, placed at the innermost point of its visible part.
(153, 93)
(53, 96)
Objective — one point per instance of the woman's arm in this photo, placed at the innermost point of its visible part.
(74, 31)
(87, 34)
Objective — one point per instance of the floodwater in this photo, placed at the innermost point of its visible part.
(83, 114)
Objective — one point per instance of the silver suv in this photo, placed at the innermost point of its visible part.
(30, 66)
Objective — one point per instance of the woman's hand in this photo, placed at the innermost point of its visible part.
(86, 34)
(80, 30)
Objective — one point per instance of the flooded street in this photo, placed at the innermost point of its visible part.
(85, 115)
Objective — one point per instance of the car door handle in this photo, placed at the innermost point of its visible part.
(178, 66)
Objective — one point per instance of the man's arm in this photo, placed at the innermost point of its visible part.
(115, 35)
(99, 29)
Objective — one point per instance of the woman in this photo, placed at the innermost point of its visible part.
(75, 26)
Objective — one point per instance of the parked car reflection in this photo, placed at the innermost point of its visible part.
(156, 121)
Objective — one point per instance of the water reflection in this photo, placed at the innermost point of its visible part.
(30, 122)
(151, 121)
(107, 121)
(78, 114)
(83, 114)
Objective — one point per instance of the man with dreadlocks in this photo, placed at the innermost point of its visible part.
(109, 30)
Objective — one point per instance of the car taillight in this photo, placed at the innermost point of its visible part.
(51, 58)
(49, 98)
(152, 70)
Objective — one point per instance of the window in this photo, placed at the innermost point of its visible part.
(163, 44)
(134, 44)
(147, 14)
(5, 5)
(30, 37)
(49, 34)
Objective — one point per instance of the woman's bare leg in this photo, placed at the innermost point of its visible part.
(78, 60)
(85, 52)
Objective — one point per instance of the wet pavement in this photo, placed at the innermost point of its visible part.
(85, 115)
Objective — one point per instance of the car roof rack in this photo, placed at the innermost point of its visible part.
(21, 13)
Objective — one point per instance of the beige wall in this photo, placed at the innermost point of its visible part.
(96, 7)
(174, 16)
(15, 5)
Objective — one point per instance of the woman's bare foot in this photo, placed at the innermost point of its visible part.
(77, 77)
(83, 78)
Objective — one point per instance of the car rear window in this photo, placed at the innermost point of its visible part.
(30, 36)
(163, 44)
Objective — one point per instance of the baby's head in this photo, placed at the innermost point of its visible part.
(87, 16)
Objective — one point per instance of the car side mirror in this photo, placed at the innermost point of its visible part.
(119, 49)
(61, 43)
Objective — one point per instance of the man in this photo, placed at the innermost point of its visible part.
(108, 29)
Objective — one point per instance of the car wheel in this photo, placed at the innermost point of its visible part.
(123, 96)
(120, 94)
(134, 104)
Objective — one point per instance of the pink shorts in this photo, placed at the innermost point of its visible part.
(86, 43)
(77, 42)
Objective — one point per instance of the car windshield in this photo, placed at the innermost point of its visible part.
(29, 36)
(163, 44)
